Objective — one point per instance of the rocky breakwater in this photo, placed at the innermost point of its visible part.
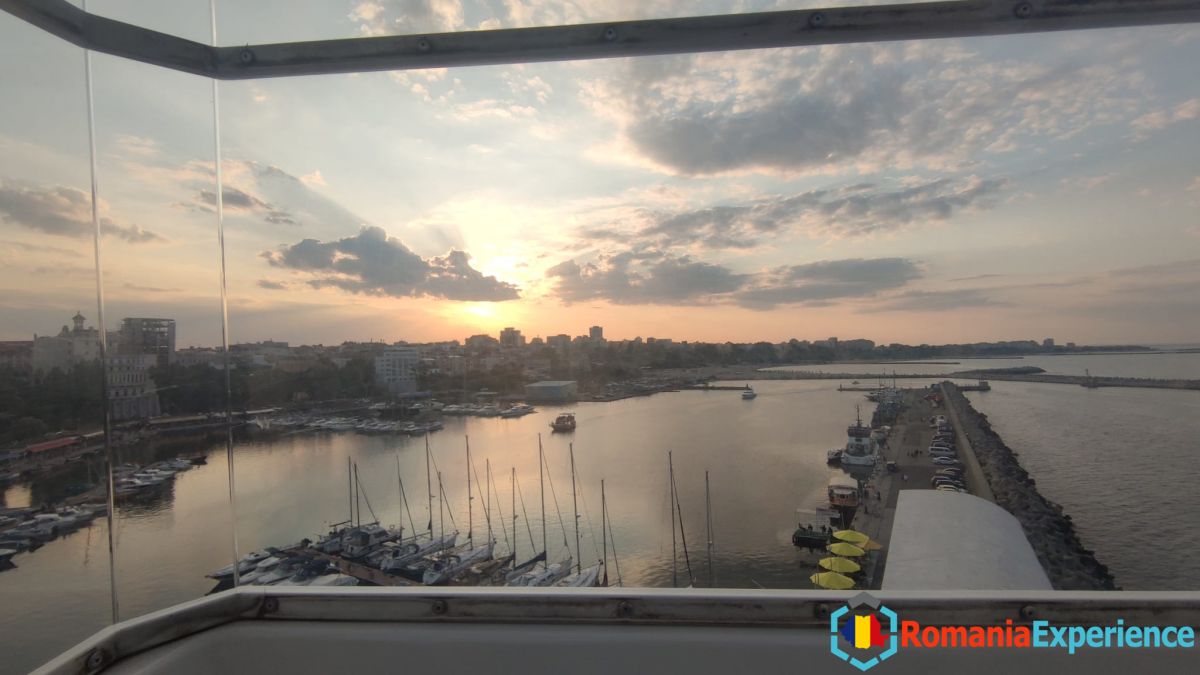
(1069, 564)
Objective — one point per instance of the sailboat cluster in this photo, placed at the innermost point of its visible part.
(354, 552)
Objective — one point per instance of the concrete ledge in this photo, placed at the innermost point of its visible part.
(975, 479)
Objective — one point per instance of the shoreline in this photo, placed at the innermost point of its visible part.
(1068, 563)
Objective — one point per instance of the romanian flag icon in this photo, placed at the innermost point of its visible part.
(863, 632)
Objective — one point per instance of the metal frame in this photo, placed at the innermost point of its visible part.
(736, 608)
(959, 18)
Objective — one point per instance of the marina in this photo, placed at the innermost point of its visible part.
(288, 492)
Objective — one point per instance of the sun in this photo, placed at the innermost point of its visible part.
(480, 310)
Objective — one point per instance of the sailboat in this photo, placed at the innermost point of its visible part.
(550, 574)
(582, 577)
(448, 566)
(677, 514)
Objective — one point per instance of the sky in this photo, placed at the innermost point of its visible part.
(1015, 187)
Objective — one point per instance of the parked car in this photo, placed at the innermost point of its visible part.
(946, 461)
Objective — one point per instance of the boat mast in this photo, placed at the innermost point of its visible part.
(604, 530)
(709, 528)
(687, 559)
(357, 500)
(470, 498)
(542, 488)
(487, 476)
(513, 487)
(441, 511)
(674, 552)
(575, 503)
(428, 484)
(350, 488)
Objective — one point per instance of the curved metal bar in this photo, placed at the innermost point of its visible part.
(879, 23)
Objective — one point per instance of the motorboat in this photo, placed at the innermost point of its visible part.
(564, 422)
(517, 411)
(834, 456)
(843, 492)
(394, 558)
(358, 542)
(247, 563)
(261, 569)
(6, 554)
(748, 394)
(283, 570)
(448, 567)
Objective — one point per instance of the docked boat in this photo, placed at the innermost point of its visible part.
(360, 541)
(247, 563)
(392, 559)
(6, 555)
(860, 447)
(748, 394)
(834, 456)
(589, 577)
(448, 567)
(843, 492)
(517, 411)
(564, 422)
(547, 576)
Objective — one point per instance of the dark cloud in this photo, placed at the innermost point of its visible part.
(663, 279)
(148, 289)
(272, 285)
(63, 211)
(820, 282)
(849, 211)
(240, 200)
(374, 263)
(937, 301)
(978, 277)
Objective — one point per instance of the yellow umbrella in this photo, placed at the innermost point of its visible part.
(848, 550)
(843, 565)
(856, 538)
(870, 545)
(832, 581)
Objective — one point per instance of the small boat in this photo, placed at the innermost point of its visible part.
(748, 394)
(564, 422)
(6, 554)
(590, 576)
(834, 456)
(357, 543)
(445, 569)
(517, 411)
(548, 576)
(394, 558)
(247, 563)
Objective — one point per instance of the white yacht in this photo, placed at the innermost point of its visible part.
(451, 566)
(748, 394)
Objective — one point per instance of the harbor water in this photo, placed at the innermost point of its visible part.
(1120, 461)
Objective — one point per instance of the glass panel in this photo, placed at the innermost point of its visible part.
(54, 571)
(414, 257)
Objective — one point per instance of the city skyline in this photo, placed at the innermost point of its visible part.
(949, 191)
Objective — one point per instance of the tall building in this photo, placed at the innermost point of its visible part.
(511, 337)
(596, 333)
(155, 337)
(131, 392)
(396, 370)
(1048, 343)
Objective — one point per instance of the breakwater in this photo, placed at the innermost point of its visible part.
(1069, 564)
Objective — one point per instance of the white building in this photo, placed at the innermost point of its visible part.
(396, 370)
(131, 392)
(70, 347)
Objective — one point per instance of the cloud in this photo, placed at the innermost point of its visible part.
(235, 199)
(650, 278)
(850, 211)
(374, 263)
(63, 211)
(936, 301)
(820, 282)
(399, 17)
(656, 278)
(272, 285)
(1161, 119)
(148, 289)
(844, 108)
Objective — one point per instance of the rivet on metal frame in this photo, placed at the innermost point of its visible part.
(821, 610)
(624, 609)
(423, 45)
(1028, 612)
(1023, 10)
(439, 607)
(610, 33)
(816, 20)
(270, 605)
(96, 659)
(246, 57)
